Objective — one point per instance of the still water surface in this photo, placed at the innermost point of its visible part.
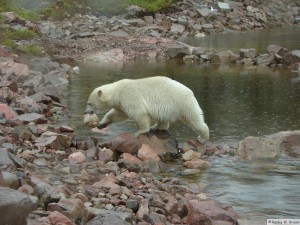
(237, 102)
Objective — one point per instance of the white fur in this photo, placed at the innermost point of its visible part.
(156, 98)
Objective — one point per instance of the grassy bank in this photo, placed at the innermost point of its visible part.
(153, 5)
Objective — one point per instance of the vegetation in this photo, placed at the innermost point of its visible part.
(153, 5)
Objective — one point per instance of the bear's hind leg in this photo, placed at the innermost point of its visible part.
(143, 122)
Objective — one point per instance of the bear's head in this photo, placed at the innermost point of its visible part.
(97, 102)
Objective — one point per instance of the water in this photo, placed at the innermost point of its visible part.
(237, 102)
(287, 37)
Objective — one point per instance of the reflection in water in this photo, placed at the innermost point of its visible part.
(237, 102)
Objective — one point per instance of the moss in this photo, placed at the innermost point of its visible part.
(31, 49)
(153, 5)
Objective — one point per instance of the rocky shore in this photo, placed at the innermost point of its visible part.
(50, 175)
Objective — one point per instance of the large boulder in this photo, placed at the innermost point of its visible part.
(207, 212)
(259, 148)
(289, 142)
(15, 206)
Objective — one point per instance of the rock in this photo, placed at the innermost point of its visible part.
(127, 156)
(177, 28)
(125, 143)
(276, 49)
(143, 209)
(119, 33)
(178, 51)
(150, 166)
(18, 69)
(162, 143)
(101, 216)
(146, 152)
(134, 11)
(253, 148)
(6, 51)
(248, 53)
(28, 105)
(265, 60)
(207, 26)
(65, 59)
(90, 120)
(191, 155)
(11, 180)
(203, 12)
(77, 157)
(206, 212)
(197, 164)
(53, 140)
(289, 141)
(12, 85)
(31, 117)
(291, 57)
(111, 56)
(8, 111)
(72, 208)
(14, 203)
(4, 158)
(57, 218)
(106, 155)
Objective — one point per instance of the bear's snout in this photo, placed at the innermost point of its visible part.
(89, 112)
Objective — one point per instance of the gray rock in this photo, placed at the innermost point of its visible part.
(11, 180)
(207, 26)
(103, 217)
(248, 53)
(31, 117)
(265, 60)
(15, 206)
(178, 51)
(4, 158)
(177, 28)
(119, 33)
(253, 148)
(276, 49)
(203, 12)
(53, 140)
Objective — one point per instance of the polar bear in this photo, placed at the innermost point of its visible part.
(159, 99)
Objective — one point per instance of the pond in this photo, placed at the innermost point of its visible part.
(237, 102)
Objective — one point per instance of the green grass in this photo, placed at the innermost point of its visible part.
(153, 5)
(31, 49)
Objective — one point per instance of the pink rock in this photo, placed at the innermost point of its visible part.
(8, 111)
(197, 164)
(131, 158)
(6, 51)
(56, 218)
(191, 155)
(71, 207)
(146, 152)
(124, 142)
(12, 67)
(131, 175)
(200, 212)
(77, 157)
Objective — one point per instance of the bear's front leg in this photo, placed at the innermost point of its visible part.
(114, 115)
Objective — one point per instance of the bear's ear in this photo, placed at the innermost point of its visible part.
(99, 93)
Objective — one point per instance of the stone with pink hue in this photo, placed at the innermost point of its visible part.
(147, 152)
(77, 157)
